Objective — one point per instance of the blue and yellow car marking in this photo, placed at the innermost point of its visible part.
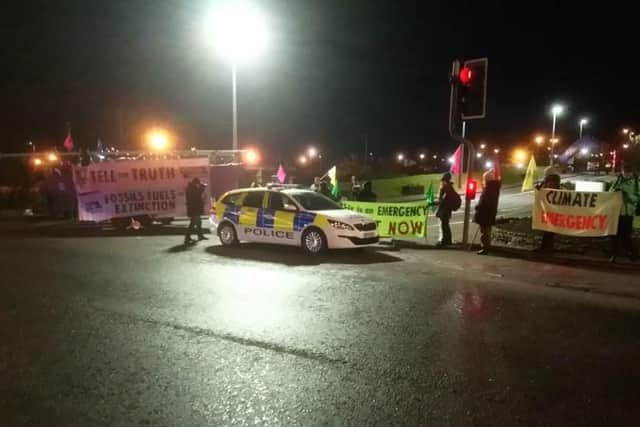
(271, 218)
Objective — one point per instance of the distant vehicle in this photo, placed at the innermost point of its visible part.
(290, 216)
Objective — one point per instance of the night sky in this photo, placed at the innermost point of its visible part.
(338, 70)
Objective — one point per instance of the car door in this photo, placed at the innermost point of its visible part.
(249, 230)
(281, 214)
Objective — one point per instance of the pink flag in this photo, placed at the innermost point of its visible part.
(68, 142)
(456, 166)
(281, 174)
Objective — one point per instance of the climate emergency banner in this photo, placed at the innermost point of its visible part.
(394, 219)
(576, 213)
(136, 187)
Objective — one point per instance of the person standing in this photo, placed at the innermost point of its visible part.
(487, 209)
(195, 209)
(552, 181)
(628, 185)
(448, 201)
(367, 194)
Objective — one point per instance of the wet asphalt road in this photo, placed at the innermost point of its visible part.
(124, 331)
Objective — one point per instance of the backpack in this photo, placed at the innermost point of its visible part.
(456, 200)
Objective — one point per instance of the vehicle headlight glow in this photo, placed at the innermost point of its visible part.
(340, 225)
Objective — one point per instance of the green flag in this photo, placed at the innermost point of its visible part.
(530, 177)
(430, 196)
(333, 176)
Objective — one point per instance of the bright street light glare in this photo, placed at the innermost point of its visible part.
(520, 155)
(251, 157)
(37, 162)
(238, 31)
(625, 131)
(625, 146)
(422, 156)
(488, 165)
(479, 155)
(539, 139)
(451, 159)
(557, 109)
(496, 150)
(584, 151)
(584, 121)
(483, 146)
(52, 157)
(302, 160)
(312, 152)
(158, 140)
(400, 157)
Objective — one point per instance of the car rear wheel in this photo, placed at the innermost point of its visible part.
(314, 242)
(227, 235)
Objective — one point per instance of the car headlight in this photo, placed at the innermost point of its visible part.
(340, 225)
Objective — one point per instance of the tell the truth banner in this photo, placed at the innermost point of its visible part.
(577, 213)
(394, 219)
(127, 188)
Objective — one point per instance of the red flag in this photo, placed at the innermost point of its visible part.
(456, 166)
(68, 142)
(497, 171)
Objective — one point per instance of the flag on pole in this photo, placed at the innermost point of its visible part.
(530, 176)
(281, 174)
(456, 166)
(430, 196)
(335, 188)
(68, 142)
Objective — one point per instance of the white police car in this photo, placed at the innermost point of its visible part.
(288, 216)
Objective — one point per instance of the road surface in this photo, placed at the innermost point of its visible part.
(121, 331)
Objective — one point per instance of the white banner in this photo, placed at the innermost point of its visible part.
(127, 188)
(576, 213)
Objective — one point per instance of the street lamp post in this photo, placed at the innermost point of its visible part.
(583, 122)
(239, 33)
(556, 110)
(235, 106)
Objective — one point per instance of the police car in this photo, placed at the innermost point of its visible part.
(290, 216)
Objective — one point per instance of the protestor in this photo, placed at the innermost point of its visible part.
(487, 209)
(355, 188)
(448, 201)
(367, 194)
(551, 180)
(195, 208)
(325, 189)
(317, 184)
(629, 186)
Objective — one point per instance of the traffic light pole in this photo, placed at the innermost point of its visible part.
(454, 117)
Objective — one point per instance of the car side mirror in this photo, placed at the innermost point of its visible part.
(290, 208)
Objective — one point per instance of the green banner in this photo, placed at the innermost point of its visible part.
(395, 219)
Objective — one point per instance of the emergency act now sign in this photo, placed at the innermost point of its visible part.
(394, 219)
(577, 213)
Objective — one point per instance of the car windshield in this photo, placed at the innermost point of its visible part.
(314, 201)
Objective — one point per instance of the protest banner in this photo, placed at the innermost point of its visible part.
(575, 213)
(121, 189)
(394, 219)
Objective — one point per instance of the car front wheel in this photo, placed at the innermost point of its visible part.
(227, 235)
(314, 242)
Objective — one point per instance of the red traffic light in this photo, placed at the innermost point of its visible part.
(465, 76)
(472, 189)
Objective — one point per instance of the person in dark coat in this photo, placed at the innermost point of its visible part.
(195, 209)
(551, 180)
(367, 194)
(448, 201)
(487, 209)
